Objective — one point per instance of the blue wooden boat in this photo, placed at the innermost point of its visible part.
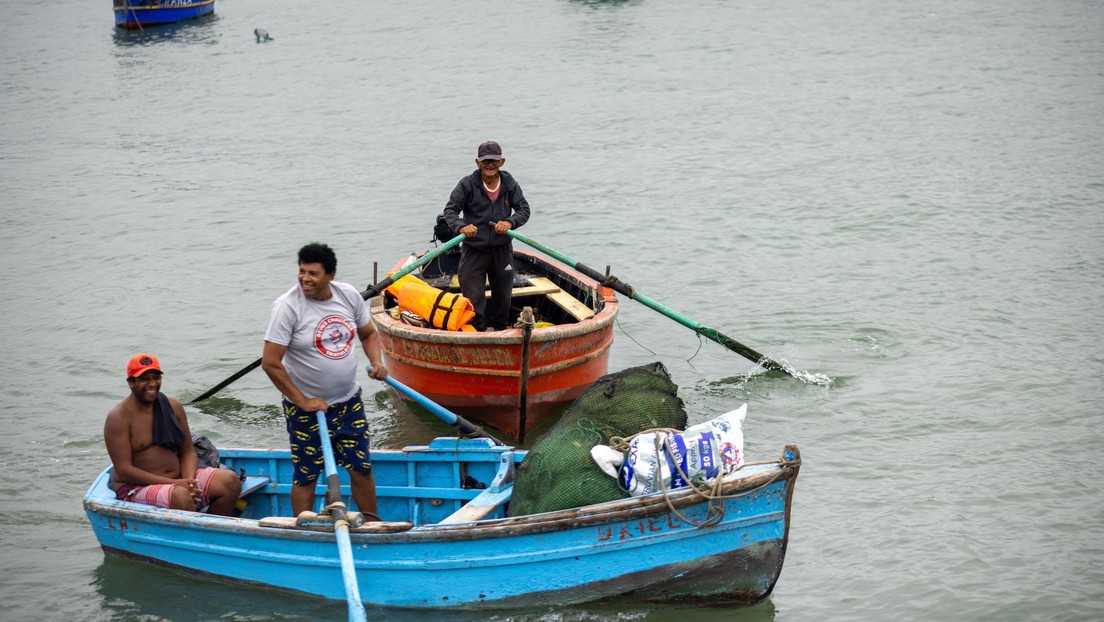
(141, 13)
(448, 542)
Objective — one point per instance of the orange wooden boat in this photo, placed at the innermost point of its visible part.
(480, 375)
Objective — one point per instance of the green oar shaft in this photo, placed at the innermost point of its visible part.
(627, 290)
(374, 290)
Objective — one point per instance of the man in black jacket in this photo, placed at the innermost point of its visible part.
(484, 206)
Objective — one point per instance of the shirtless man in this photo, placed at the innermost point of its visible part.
(150, 445)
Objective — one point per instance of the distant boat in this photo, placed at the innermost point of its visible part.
(140, 13)
(447, 540)
(479, 375)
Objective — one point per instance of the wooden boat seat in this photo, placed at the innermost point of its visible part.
(547, 287)
(564, 300)
(542, 286)
(533, 290)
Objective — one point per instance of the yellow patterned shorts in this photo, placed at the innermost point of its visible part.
(348, 427)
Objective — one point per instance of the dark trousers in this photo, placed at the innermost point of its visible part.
(495, 264)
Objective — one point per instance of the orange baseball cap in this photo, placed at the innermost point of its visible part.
(141, 363)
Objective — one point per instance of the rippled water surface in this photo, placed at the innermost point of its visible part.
(907, 198)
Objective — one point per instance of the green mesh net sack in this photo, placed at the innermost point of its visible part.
(558, 472)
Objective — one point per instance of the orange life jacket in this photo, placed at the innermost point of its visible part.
(440, 308)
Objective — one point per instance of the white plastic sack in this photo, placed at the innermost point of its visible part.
(704, 450)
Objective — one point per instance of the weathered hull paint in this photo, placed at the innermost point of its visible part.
(633, 549)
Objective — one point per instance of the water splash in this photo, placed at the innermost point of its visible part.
(807, 377)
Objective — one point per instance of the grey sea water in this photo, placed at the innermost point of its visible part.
(905, 197)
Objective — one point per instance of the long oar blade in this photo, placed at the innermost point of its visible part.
(372, 290)
(341, 525)
(462, 425)
(626, 289)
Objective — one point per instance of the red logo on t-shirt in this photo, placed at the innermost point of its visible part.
(334, 337)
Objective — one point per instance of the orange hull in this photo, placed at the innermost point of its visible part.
(478, 375)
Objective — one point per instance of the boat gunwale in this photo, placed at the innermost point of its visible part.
(618, 510)
(510, 336)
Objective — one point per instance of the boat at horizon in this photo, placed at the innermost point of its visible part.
(134, 14)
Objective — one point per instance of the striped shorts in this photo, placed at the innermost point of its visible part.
(161, 494)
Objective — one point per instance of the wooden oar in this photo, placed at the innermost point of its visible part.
(336, 508)
(462, 425)
(626, 289)
(373, 290)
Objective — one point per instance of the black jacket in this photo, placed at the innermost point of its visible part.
(470, 199)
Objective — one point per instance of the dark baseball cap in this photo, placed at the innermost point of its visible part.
(489, 151)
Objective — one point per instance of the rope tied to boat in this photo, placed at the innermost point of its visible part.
(710, 492)
(475, 432)
(526, 319)
(336, 509)
(611, 280)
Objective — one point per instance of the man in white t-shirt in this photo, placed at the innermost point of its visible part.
(309, 355)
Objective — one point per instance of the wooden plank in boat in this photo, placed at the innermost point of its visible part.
(533, 289)
(539, 285)
(566, 301)
(288, 522)
(548, 287)
(478, 508)
(455, 282)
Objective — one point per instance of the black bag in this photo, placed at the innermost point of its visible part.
(207, 455)
(441, 231)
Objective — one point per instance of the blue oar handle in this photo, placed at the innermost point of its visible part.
(462, 425)
(333, 482)
(341, 525)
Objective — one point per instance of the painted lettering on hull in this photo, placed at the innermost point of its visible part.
(635, 529)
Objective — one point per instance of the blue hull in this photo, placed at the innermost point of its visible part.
(447, 546)
(137, 14)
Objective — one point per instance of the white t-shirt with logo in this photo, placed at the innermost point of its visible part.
(321, 339)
